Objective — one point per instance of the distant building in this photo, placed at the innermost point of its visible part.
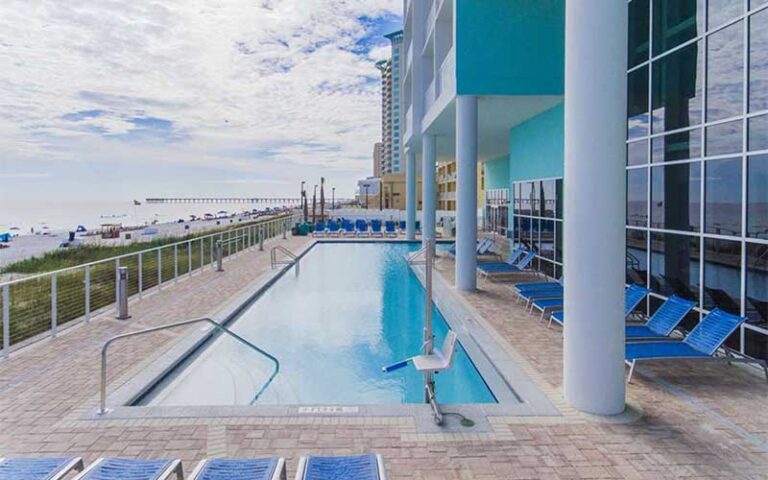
(378, 154)
(387, 192)
(391, 114)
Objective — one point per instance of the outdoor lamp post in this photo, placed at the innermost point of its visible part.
(333, 198)
(304, 200)
(314, 205)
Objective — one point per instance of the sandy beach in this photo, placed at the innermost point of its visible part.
(29, 245)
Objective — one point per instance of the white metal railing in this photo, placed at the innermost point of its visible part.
(37, 306)
(409, 120)
(430, 96)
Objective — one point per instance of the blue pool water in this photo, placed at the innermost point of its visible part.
(351, 309)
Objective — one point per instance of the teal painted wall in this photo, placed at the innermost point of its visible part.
(510, 47)
(536, 147)
(497, 173)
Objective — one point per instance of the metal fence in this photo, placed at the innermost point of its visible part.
(39, 306)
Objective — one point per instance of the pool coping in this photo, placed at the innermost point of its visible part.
(498, 369)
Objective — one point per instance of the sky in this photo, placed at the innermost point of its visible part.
(115, 99)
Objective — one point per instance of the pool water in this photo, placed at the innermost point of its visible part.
(349, 310)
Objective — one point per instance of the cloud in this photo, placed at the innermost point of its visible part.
(237, 85)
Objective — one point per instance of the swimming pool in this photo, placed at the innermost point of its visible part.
(350, 309)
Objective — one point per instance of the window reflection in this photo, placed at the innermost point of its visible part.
(637, 103)
(757, 196)
(637, 153)
(721, 11)
(758, 133)
(725, 138)
(637, 257)
(722, 211)
(725, 72)
(676, 196)
(757, 284)
(547, 239)
(722, 275)
(758, 62)
(677, 89)
(559, 242)
(639, 23)
(637, 197)
(674, 265)
(559, 196)
(677, 146)
(547, 199)
(675, 22)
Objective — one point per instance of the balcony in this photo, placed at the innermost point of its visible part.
(447, 196)
(430, 96)
(447, 74)
(408, 123)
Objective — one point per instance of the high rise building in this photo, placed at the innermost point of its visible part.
(378, 154)
(391, 114)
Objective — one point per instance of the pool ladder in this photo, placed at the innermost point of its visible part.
(103, 390)
(290, 260)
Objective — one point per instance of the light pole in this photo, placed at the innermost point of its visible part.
(304, 200)
(314, 204)
(333, 198)
(322, 198)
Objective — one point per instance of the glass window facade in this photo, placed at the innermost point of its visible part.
(538, 225)
(703, 177)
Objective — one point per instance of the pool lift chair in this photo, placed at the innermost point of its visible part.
(433, 360)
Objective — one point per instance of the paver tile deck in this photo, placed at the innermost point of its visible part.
(702, 421)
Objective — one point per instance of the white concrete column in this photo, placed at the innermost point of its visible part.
(429, 187)
(595, 202)
(466, 192)
(410, 195)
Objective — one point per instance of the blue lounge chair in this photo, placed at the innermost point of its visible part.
(633, 295)
(402, 226)
(389, 229)
(514, 256)
(482, 248)
(663, 321)
(240, 469)
(38, 468)
(354, 467)
(333, 228)
(492, 269)
(114, 468)
(523, 286)
(702, 343)
(361, 227)
(376, 228)
(348, 227)
(319, 230)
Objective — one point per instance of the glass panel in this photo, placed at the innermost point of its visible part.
(722, 275)
(757, 284)
(758, 62)
(637, 153)
(548, 269)
(721, 11)
(675, 265)
(637, 103)
(677, 146)
(675, 22)
(559, 194)
(722, 211)
(547, 198)
(517, 207)
(637, 197)
(677, 89)
(675, 196)
(725, 72)
(758, 132)
(756, 344)
(559, 242)
(637, 257)
(756, 3)
(547, 245)
(535, 190)
(724, 138)
(639, 28)
(757, 196)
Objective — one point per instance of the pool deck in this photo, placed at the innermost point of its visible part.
(687, 419)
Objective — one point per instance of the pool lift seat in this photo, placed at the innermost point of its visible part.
(439, 360)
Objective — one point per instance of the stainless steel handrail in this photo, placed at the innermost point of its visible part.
(103, 391)
(284, 251)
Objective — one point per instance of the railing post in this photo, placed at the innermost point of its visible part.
(117, 279)
(261, 237)
(141, 275)
(54, 305)
(122, 293)
(159, 269)
(189, 256)
(88, 293)
(202, 254)
(6, 321)
(285, 229)
(175, 263)
(219, 263)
